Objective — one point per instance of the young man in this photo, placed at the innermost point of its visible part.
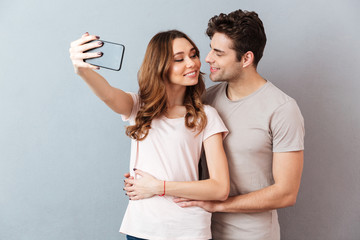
(266, 140)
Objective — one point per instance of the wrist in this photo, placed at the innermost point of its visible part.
(161, 188)
(219, 206)
(80, 71)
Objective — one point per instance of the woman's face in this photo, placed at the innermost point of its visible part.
(185, 68)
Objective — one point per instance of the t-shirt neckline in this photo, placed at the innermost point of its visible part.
(247, 97)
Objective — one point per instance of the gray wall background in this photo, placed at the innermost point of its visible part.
(63, 152)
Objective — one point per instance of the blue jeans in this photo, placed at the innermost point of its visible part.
(128, 237)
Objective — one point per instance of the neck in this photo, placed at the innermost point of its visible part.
(244, 85)
(175, 95)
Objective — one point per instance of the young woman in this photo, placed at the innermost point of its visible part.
(169, 125)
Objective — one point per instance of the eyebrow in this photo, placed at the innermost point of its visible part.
(178, 53)
(217, 50)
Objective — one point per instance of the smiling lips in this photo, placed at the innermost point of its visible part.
(193, 73)
(213, 69)
(190, 74)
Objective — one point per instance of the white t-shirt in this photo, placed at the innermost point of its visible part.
(170, 152)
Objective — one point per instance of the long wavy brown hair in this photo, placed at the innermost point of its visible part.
(153, 74)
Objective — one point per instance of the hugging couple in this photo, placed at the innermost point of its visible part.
(205, 164)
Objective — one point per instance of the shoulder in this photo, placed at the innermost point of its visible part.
(136, 106)
(209, 110)
(276, 94)
(214, 123)
(134, 96)
(214, 92)
(216, 88)
(276, 99)
(284, 109)
(212, 114)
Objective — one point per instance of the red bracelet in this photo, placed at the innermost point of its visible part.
(164, 191)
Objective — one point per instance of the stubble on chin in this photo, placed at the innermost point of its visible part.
(215, 78)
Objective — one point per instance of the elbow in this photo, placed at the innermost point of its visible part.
(292, 201)
(284, 195)
(289, 200)
(223, 197)
(223, 193)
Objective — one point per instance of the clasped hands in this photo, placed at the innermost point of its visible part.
(148, 186)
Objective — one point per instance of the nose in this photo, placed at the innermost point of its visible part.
(209, 58)
(190, 63)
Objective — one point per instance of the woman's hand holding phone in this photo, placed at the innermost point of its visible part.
(118, 100)
(78, 52)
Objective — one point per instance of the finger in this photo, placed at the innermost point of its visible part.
(81, 64)
(188, 204)
(179, 199)
(85, 34)
(88, 46)
(83, 40)
(127, 175)
(141, 173)
(91, 55)
(131, 194)
(129, 189)
(135, 198)
(129, 181)
(81, 56)
(127, 184)
(76, 49)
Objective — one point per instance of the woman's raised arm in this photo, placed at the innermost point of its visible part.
(118, 100)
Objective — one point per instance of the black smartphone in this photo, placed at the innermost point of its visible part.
(112, 57)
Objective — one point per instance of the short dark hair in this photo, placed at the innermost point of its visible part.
(244, 28)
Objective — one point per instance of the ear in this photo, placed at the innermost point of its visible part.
(248, 59)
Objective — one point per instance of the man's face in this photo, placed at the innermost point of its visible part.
(224, 65)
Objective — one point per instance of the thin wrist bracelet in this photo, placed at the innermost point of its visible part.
(164, 191)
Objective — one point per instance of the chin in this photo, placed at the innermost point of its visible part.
(193, 83)
(217, 79)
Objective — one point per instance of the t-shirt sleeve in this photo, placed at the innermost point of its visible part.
(214, 123)
(134, 110)
(287, 127)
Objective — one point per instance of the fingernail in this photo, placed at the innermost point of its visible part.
(97, 37)
(100, 53)
(98, 68)
(134, 169)
(86, 33)
(100, 43)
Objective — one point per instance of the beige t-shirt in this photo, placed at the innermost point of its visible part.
(264, 122)
(170, 152)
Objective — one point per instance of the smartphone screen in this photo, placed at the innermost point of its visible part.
(112, 57)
